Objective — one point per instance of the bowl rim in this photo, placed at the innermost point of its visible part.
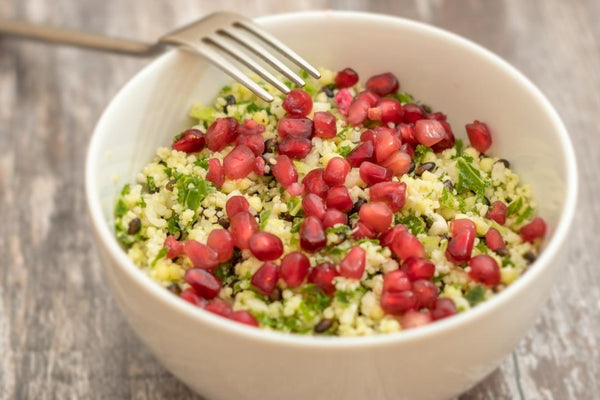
(108, 239)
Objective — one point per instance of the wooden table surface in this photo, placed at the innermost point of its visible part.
(61, 334)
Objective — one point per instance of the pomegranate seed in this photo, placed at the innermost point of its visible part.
(204, 283)
(418, 268)
(255, 143)
(336, 171)
(396, 281)
(363, 230)
(388, 237)
(397, 303)
(294, 268)
(357, 112)
(353, 265)
(460, 246)
(259, 166)
(383, 84)
(236, 204)
(461, 224)
(493, 240)
(372, 173)
(368, 135)
(391, 110)
(295, 146)
(312, 234)
(216, 172)
(239, 162)
(409, 149)
(429, 132)
(297, 103)
(438, 116)
(398, 163)
(220, 133)
(484, 269)
(219, 307)
(497, 212)
(191, 141)
(339, 198)
(175, 248)
(369, 96)
(324, 123)
(413, 319)
(407, 133)
(201, 255)
(343, 99)
(391, 193)
(292, 126)
(322, 275)
(284, 171)
(242, 226)
(407, 245)
(334, 217)
(479, 136)
(250, 127)
(265, 278)
(374, 114)
(313, 205)
(295, 189)
(426, 293)
(346, 78)
(265, 246)
(221, 242)
(243, 317)
(386, 143)
(443, 308)
(413, 113)
(194, 298)
(314, 183)
(378, 216)
(447, 142)
(533, 230)
(361, 153)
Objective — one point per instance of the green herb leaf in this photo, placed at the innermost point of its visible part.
(338, 229)
(482, 247)
(476, 295)
(252, 107)
(264, 217)
(403, 97)
(161, 254)
(415, 224)
(121, 208)
(294, 205)
(514, 207)
(126, 189)
(420, 152)
(525, 216)
(296, 225)
(151, 185)
(344, 150)
(192, 190)
(469, 178)
(173, 225)
(458, 146)
(202, 162)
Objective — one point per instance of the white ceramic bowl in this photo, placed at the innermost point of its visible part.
(225, 360)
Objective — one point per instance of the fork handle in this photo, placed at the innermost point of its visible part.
(21, 29)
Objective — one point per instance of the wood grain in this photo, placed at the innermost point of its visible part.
(61, 335)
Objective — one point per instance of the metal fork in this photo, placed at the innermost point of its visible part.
(216, 35)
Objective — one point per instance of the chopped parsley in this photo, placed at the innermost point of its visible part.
(264, 217)
(151, 185)
(414, 223)
(420, 152)
(526, 214)
(458, 146)
(403, 97)
(469, 178)
(121, 208)
(202, 162)
(344, 150)
(475, 295)
(161, 254)
(192, 190)
(514, 207)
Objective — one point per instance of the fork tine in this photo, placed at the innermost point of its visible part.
(275, 43)
(235, 53)
(264, 54)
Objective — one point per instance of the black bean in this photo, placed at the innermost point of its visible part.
(224, 222)
(356, 206)
(134, 226)
(412, 167)
(235, 258)
(270, 146)
(428, 166)
(287, 216)
(275, 295)
(170, 184)
(448, 184)
(504, 161)
(174, 288)
(328, 91)
(529, 256)
(486, 201)
(323, 325)
(502, 252)
(230, 99)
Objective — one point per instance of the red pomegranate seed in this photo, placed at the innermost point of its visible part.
(426, 293)
(242, 226)
(239, 162)
(346, 78)
(216, 172)
(386, 143)
(297, 103)
(391, 110)
(388, 237)
(368, 135)
(292, 126)
(265, 246)
(383, 84)
(259, 166)
(407, 245)
(443, 308)
(484, 269)
(295, 189)
(438, 116)
(175, 248)
(369, 97)
(294, 268)
(322, 275)
(362, 230)
(361, 153)
(533, 230)
(374, 114)
(497, 212)
(372, 173)
(418, 268)
(243, 317)
(339, 198)
(284, 171)
(396, 281)
(313, 205)
(324, 123)
(221, 132)
(377, 215)
(255, 143)
(391, 193)
(219, 307)
(398, 162)
(336, 171)
(413, 319)
(493, 240)
(407, 133)
(479, 136)
(409, 149)
(236, 204)
(191, 141)
(194, 298)
(250, 127)
(265, 278)
(343, 99)
(429, 132)
(221, 242)
(314, 183)
(312, 234)
(460, 246)
(204, 283)
(295, 147)
(334, 217)
(201, 255)
(397, 303)
(357, 112)
(413, 113)
(353, 265)
(447, 142)
(461, 224)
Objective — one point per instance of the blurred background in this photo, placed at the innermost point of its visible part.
(61, 334)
